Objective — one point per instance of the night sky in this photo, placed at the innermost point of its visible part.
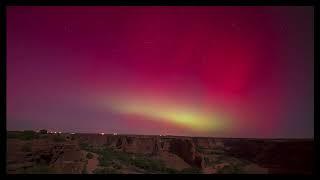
(194, 71)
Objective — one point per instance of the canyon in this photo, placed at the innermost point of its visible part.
(67, 153)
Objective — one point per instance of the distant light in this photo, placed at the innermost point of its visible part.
(73, 133)
(55, 132)
(115, 134)
(102, 134)
(59, 132)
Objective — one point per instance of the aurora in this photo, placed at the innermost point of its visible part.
(194, 71)
(188, 117)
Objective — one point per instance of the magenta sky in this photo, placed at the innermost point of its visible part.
(198, 71)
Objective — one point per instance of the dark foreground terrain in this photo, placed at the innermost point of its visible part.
(31, 152)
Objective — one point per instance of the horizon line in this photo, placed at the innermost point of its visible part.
(172, 135)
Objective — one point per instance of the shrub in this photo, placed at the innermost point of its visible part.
(109, 158)
(89, 155)
(148, 164)
(106, 156)
(123, 157)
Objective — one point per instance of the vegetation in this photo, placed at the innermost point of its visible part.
(88, 147)
(108, 158)
(83, 145)
(148, 164)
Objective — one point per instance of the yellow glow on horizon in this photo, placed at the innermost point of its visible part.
(180, 115)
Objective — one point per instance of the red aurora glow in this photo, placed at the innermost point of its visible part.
(196, 71)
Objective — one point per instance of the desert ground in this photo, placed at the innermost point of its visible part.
(30, 152)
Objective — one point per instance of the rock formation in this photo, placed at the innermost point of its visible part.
(278, 156)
